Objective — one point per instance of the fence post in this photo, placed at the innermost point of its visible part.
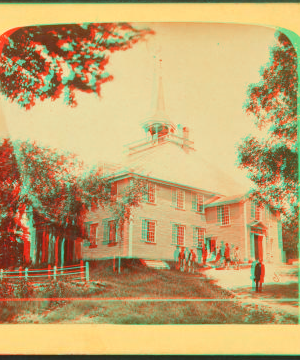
(49, 271)
(20, 272)
(54, 275)
(87, 271)
(82, 270)
(1, 274)
(26, 274)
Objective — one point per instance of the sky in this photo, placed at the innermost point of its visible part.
(206, 70)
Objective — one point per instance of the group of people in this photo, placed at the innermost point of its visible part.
(226, 256)
(186, 260)
(222, 256)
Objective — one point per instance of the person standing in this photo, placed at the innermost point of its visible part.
(227, 256)
(204, 254)
(187, 257)
(199, 253)
(193, 260)
(176, 257)
(259, 275)
(181, 259)
(237, 257)
(218, 258)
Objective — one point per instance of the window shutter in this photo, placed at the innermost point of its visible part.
(87, 229)
(183, 199)
(144, 230)
(174, 197)
(117, 232)
(202, 203)
(195, 237)
(153, 192)
(194, 202)
(174, 234)
(145, 195)
(253, 204)
(219, 214)
(105, 231)
(228, 207)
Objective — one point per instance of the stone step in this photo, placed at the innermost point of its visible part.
(155, 264)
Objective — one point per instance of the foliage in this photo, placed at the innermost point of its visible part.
(272, 162)
(47, 62)
(58, 190)
(129, 198)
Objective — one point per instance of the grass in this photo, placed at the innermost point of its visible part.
(138, 282)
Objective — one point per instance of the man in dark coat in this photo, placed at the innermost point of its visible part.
(259, 274)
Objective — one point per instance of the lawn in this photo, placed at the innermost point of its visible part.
(138, 295)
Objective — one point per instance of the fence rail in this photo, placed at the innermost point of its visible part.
(49, 273)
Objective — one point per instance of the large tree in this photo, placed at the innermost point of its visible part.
(272, 162)
(57, 190)
(46, 62)
(13, 233)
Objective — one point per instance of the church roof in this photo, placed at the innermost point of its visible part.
(171, 163)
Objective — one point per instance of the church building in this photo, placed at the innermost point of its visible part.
(189, 203)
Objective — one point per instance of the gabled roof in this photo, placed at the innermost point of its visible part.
(225, 200)
(258, 223)
(128, 174)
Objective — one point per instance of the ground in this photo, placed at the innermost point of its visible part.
(140, 295)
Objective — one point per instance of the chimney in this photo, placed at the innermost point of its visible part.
(186, 133)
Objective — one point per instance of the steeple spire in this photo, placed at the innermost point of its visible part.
(160, 94)
(158, 127)
(159, 123)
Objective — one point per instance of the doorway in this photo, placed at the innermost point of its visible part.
(258, 247)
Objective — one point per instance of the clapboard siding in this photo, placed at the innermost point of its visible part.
(105, 250)
(233, 234)
(164, 214)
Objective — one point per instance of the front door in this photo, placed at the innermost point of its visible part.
(258, 246)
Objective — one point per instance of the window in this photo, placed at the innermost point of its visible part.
(178, 234)
(198, 203)
(112, 231)
(223, 215)
(93, 234)
(198, 236)
(178, 198)
(256, 211)
(148, 230)
(113, 191)
(151, 193)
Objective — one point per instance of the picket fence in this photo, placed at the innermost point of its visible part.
(73, 272)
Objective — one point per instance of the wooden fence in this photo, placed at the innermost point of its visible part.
(72, 272)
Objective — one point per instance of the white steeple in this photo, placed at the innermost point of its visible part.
(159, 123)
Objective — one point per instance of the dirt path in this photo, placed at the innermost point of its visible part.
(282, 298)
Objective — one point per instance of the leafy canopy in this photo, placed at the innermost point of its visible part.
(272, 162)
(47, 62)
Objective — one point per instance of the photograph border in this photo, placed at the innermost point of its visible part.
(152, 339)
